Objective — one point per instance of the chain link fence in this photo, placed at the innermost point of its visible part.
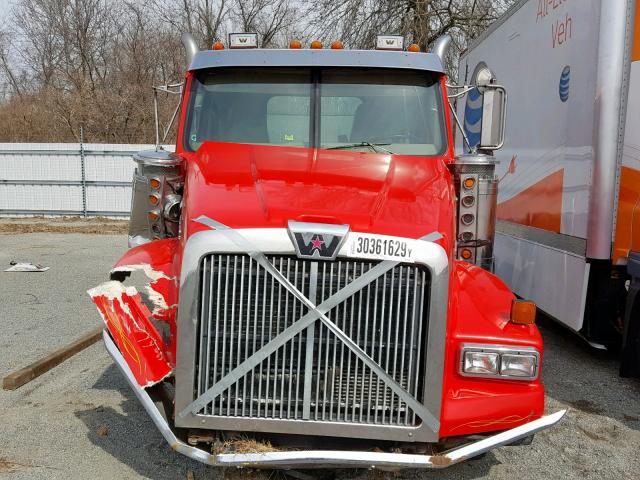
(59, 179)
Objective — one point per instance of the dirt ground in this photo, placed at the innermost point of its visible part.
(99, 225)
(81, 420)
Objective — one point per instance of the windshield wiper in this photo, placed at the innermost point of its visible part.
(374, 146)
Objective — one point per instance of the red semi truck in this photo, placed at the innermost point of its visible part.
(317, 265)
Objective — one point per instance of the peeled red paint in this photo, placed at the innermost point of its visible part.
(129, 323)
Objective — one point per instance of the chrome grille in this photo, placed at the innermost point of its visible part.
(313, 376)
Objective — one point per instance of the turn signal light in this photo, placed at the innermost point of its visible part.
(467, 219)
(469, 183)
(316, 44)
(414, 47)
(154, 200)
(296, 44)
(155, 183)
(523, 312)
(337, 45)
(466, 253)
(467, 236)
(218, 46)
(468, 201)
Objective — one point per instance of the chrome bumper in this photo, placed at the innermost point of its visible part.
(324, 458)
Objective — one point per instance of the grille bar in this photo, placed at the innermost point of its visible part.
(312, 376)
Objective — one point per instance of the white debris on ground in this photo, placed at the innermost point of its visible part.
(26, 267)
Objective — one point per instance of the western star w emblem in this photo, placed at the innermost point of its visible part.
(317, 240)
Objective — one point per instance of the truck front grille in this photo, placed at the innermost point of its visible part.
(314, 375)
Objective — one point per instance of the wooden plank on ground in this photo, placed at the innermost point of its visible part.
(37, 368)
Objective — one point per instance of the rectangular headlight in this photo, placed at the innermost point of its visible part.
(518, 365)
(481, 363)
(497, 361)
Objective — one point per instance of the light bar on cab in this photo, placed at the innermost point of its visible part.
(243, 40)
(389, 42)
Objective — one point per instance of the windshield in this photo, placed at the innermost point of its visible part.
(379, 110)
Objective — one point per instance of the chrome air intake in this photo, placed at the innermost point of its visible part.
(476, 189)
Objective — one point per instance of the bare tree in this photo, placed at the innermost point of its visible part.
(66, 63)
(206, 19)
(267, 18)
(6, 70)
(357, 22)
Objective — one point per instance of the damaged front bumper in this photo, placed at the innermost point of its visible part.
(324, 458)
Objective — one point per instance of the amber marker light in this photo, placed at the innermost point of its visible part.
(218, 46)
(466, 254)
(316, 44)
(153, 215)
(155, 183)
(469, 183)
(295, 44)
(523, 312)
(337, 45)
(414, 47)
(153, 199)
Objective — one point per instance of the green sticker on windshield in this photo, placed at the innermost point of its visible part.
(193, 137)
(288, 138)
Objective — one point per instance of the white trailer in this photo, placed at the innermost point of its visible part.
(568, 233)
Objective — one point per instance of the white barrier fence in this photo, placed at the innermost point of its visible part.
(66, 179)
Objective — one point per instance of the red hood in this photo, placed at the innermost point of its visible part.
(244, 185)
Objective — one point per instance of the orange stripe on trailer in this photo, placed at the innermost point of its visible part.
(628, 219)
(538, 206)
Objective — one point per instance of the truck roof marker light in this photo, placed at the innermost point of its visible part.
(316, 44)
(469, 183)
(154, 199)
(390, 42)
(337, 45)
(243, 40)
(153, 215)
(466, 254)
(218, 46)
(295, 44)
(414, 48)
(523, 312)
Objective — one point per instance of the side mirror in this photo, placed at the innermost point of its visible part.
(494, 108)
(494, 117)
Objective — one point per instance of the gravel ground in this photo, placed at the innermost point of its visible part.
(80, 420)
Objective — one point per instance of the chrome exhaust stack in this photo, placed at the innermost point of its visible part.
(190, 46)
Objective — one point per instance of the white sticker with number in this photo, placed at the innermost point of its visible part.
(378, 247)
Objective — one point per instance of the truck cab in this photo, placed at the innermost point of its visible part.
(317, 265)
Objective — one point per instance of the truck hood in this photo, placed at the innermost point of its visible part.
(248, 186)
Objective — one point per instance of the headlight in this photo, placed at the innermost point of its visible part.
(481, 363)
(497, 361)
(518, 365)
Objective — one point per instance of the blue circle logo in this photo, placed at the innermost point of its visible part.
(473, 117)
(565, 80)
